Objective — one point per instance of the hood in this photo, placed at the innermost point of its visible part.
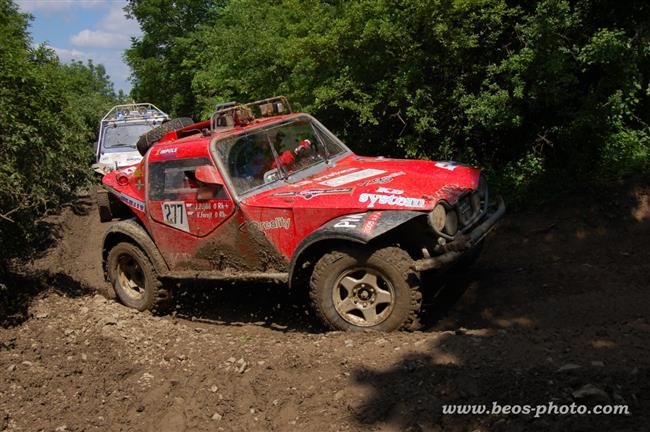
(357, 182)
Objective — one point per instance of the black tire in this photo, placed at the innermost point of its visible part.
(134, 279)
(104, 206)
(147, 140)
(391, 267)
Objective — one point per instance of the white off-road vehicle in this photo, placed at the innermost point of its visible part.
(119, 131)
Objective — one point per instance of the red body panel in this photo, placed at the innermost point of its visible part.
(262, 231)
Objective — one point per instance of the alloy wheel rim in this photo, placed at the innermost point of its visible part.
(363, 297)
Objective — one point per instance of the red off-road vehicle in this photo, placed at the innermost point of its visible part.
(261, 193)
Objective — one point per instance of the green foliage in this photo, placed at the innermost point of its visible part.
(156, 58)
(523, 89)
(48, 116)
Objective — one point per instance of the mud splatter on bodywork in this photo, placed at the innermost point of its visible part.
(240, 247)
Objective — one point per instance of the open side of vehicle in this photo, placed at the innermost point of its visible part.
(260, 193)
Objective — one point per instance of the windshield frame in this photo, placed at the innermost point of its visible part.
(284, 179)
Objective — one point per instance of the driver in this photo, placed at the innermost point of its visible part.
(259, 156)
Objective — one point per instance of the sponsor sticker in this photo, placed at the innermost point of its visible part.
(168, 151)
(311, 193)
(390, 191)
(277, 223)
(349, 178)
(448, 165)
(350, 221)
(136, 204)
(390, 200)
(334, 174)
(370, 223)
(382, 180)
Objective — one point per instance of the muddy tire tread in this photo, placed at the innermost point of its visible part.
(104, 206)
(160, 298)
(394, 256)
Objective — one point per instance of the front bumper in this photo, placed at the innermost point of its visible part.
(460, 245)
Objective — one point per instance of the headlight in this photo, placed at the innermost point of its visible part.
(451, 223)
(438, 217)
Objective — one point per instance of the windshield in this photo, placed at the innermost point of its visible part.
(123, 135)
(274, 152)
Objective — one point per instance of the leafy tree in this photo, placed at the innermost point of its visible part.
(48, 116)
(527, 90)
(157, 58)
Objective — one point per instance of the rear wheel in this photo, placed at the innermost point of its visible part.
(134, 279)
(147, 140)
(357, 290)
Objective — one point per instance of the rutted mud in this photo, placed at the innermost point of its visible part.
(557, 306)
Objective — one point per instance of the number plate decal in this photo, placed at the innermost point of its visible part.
(174, 214)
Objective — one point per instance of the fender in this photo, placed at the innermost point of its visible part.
(357, 228)
(131, 231)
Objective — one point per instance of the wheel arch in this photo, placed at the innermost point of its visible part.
(131, 231)
(309, 253)
(349, 230)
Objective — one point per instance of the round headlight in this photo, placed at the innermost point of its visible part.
(451, 223)
(438, 217)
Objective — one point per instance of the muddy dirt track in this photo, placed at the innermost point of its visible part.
(556, 310)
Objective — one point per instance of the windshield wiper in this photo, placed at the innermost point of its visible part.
(122, 145)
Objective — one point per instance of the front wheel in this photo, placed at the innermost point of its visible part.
(134, 279)
(356, 290)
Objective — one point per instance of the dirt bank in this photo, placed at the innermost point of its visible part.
(559, 300)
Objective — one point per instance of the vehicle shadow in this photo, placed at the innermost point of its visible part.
(278, 307)
(555, 311)
(236, 304)
(470, 370)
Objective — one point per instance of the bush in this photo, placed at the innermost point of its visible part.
(48, 116)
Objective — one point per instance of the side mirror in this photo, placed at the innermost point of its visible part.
(208, 174)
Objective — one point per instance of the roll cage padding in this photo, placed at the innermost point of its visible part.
(358, 228)
(131, 231)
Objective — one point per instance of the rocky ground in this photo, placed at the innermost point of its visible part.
(556, 310)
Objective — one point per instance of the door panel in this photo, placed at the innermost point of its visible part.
(177, 201)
